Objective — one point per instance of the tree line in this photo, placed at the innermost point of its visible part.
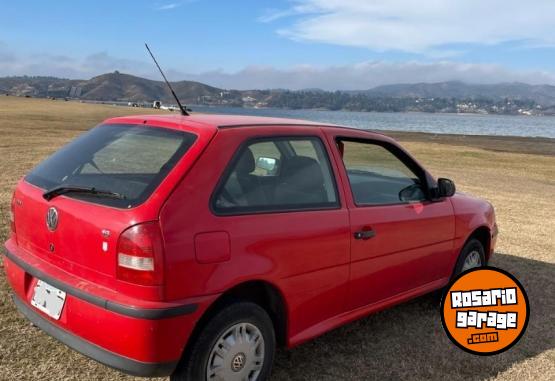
(362, 102)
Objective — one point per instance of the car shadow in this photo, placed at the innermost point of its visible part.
(408, 341)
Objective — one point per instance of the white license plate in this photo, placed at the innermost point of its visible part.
(48, 299)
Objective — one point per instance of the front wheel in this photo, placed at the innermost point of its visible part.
(472, 256)
(237, 343)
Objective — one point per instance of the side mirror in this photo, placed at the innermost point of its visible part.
(268, 164)
(445, 187)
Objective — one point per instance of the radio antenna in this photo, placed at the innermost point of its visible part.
(183, 109)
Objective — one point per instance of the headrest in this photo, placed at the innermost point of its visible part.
(246, 163)
(304, 172)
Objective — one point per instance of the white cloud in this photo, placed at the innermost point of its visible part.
(275, 14)
(167, 7)
(426, 26)
(360, 76)
(63, 66)
(366, 75)
(170, 6)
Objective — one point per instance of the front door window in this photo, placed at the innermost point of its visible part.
(379, 177)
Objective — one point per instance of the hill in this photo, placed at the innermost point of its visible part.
(125, 87)
(504, 98)
(541, 94)
(106, 87)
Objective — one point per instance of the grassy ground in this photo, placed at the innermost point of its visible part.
(516, 175)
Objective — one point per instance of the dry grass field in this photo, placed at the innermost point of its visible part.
(406, 342)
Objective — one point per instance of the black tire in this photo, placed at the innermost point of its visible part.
(194, 364)
(471, 246)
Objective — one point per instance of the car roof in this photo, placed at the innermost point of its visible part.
(216, 121)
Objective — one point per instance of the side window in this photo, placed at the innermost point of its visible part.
(267, 159)
(377, 176)
(276, 174)
(304, 148)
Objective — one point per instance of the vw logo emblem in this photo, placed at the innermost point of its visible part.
(52, 219)
(238, 362)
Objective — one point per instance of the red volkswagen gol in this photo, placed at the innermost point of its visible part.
(192, 245)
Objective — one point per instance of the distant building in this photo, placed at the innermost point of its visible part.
(248, 99)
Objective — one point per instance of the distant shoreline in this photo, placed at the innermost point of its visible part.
(124, 103)
(503, 143)
(513, 144)
(362, 111)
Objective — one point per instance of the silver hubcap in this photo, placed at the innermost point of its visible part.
(237, 355)
(473, 259)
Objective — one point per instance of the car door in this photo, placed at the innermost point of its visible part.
(400, 240)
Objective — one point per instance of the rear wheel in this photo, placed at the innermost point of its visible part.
(237, 343)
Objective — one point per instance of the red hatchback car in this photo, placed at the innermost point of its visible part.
(192, 245)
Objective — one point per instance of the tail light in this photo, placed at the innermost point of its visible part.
(140, 255)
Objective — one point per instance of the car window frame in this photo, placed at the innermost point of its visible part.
(396, 151)
(241, 211)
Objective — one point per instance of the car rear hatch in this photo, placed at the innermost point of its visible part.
(72, 209)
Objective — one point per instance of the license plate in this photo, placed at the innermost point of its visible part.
(48, 299)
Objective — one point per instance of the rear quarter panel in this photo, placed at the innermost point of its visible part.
(305, 255)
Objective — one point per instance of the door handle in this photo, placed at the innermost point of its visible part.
(365, 234)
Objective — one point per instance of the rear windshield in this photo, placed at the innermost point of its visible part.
(130, 160)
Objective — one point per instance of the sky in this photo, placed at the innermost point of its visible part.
(296, 44)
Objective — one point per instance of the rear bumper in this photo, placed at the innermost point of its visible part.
(124, 364)
(123, 309)
(138, 337)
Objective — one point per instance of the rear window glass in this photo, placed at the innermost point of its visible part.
(130, 160)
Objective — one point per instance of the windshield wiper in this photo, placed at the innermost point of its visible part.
(64, 189)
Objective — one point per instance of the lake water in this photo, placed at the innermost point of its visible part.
(467, 124)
